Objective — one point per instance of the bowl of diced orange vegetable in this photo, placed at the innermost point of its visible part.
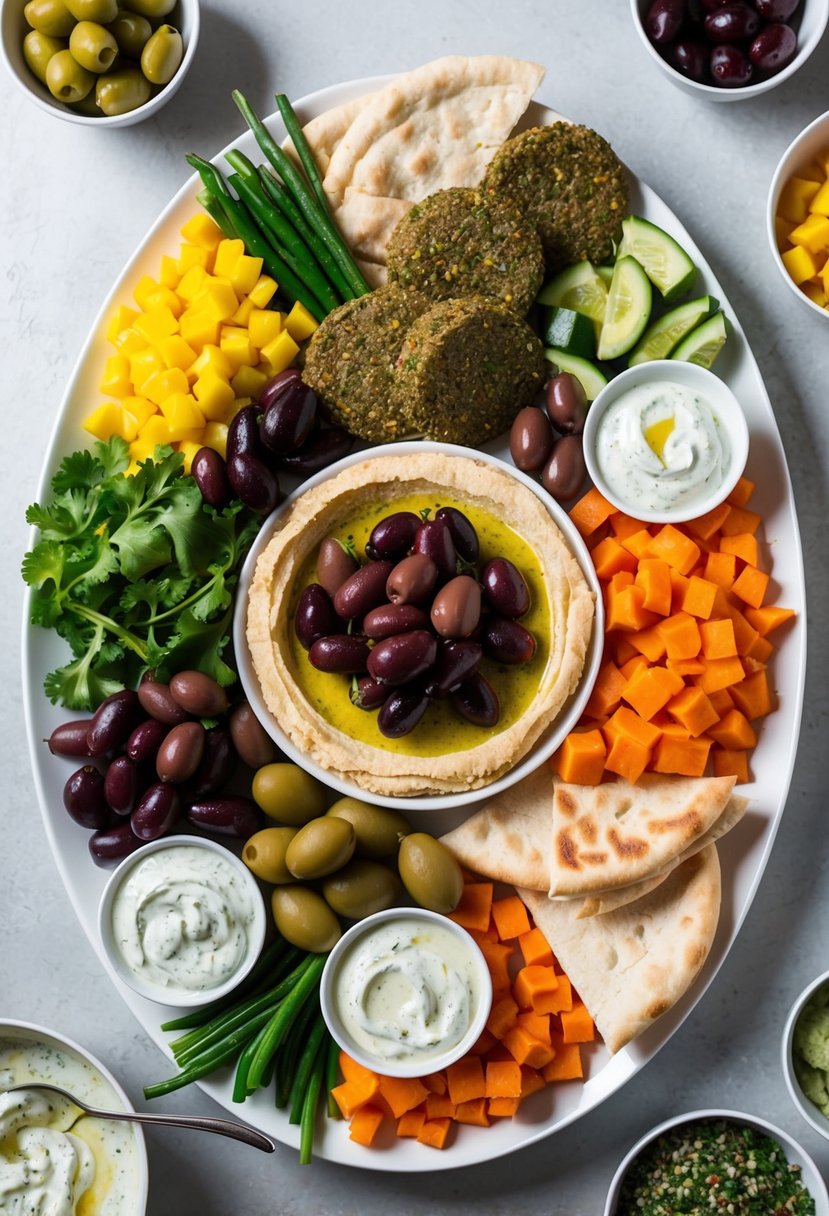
(798, 215)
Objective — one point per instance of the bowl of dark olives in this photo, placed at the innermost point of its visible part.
(97, 62)
(730, 50)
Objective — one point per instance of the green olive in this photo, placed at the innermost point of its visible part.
(38, 49)
(122, 91)
(379, 830)
(361, 888)
(288, 794)
(66, 80)
(153, 8)
(304, 919)
(93, 47)
(161, 57)
(264, 854)
(131, 31)
(321, 847)
(102, 11)
(50, 17)
(430, 873)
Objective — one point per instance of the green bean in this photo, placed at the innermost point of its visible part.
(277, 193)
(202, 1065)
(287, 1058)
(332, 1076)
(309, 1108)
(302, 147)
(305, 1066)
(216, 213)
(240, 1080)
(281, 1021)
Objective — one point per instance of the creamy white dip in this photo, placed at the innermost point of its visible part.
(182, 919)
(660, 446)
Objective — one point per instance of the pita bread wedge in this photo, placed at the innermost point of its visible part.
(632, 965)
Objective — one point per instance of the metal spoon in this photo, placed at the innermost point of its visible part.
(223, 1127)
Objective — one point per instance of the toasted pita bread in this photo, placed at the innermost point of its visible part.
(632, 965)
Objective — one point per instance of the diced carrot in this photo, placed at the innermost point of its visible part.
(502, 1107)
(721, 568)
(624, 525)
(740, 520)
(473, 909)
(679, 585)
(751, 585)
(674, 547)
(687, 757)
(563, 995)
(654, 577)
(620, 648)
(637, 542)
(693, 710)
(503, 1079)
(626, 609)
(680, 633)
(473, 1112)
(434, 1132)
(768, 618)
(609, 557)
(465, 1079)
(364, 1124)
(626, 722)
(577, 1024)
(435, 1082)
(705, 526)
(685, 667)
(566, 1064)
(627, 758)
(650, 643)
(754, 695)
(743, 545)
(439, 1106)
(649, 690)
(538, 1024)
(742, 492)
(733, 731)
(533, 986)
(497, 957)
(485, 1041)
(591, 511)
(510, 916)
(351, 1095)
(744, 632)
(402, 1093)
(502, 1016)
(721, 701)
(638, 662)
(352, 1070)
(531, 1081)
(726, 763)
(718, 641)
(526, 1049)
(720, 673)
(699, 597)
(411, 1123)
(606, 692)
(534, 949)
(580, 759)
(760, 651)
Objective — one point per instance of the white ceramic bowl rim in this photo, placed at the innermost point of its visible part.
(792, 159)
(813, 1116)
(179, 997)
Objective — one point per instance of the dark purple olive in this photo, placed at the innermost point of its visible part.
(364, 590)
(346, 653)
(198, 693)
(319, 451)
(690, 57)
(112, 723)
(230, 816)
(253, 744)
(367, 693)
(506, 641)
(113, 844)
(158, 809)
(463, 532)
(710, 5)
(243, 433)
(530, 439)
(277, 385)
(180, 754)
(730, 67)
(456, 661)
(773, 48)
(215, 767)
(664, 20)
(145, 740)
(121, 785)
(83, 797)
(402, 658)
(393, 536)
(210, 475)
(504, 588)
(565, 471)
(157, 700)
(776, 10)
(402, 711)
(389, 619)
(336, 562)
(253, 482)
(477, 701)
(315, 616)
(456, 609)
(412, 580)
(731, 23)
(434, 539)
(69, 739)
(289, 418)
(566, 403)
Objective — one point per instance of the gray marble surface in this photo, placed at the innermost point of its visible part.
(74, 202)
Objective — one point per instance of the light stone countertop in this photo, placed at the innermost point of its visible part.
(74, 203)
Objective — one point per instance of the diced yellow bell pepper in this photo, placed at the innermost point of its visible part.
(820, 203)
(236, 345)
(116, 381)
(280, 353)
(154, 431)
(200, 229)
(299, 322)
(129, 341)
(190, 256)
(182, 413)
(162, 384)
(245, 273)
(219, 299)
(212, 356)
(228, 253)
(242, 313)
(120, 320)
(143, 364)
(800, 263)
(249, 382)
(815, 293)
(140, 409)
(157, 323)
(191, 283)
(214, 395)
(812, 234)
(198, 328)
(108, 420)
(262, 292)
(214, 436)
(263, 326)
(176, 352)
(170, 273)
(188, 449)
(795, 198)
(144, 291)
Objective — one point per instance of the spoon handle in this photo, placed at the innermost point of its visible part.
(222, 1127)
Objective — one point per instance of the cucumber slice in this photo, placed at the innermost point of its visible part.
(605, 272)
(666, 263)
(704, 343)
(628, 311)
(592, 378)
(660, 338)
(578, 287)
(570, 331)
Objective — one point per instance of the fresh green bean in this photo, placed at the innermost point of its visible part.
(281, 1021)
(240, 1080)
(216, 213)
(332, 1076)
(287, 1058)
(302, 147)
(202, 1065)
(277, 193)
(309, 1108)
(307, 1060)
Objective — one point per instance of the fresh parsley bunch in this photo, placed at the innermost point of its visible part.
(135, 573)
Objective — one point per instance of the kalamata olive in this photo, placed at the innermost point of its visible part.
(367, 693)
(158, 809)
(732, 23)
(278, 385)
(343, 653)
(430, 872)
(264, 854)
(393, 536)
(710, 5)
(689, 56)
(412, 580)
(243, 433)
(456, 609)
(730, 67)
(566, 403)
(121, 784)
(215, 767)
(145, 740)
(402, 711)
(315, 616)
(565, 471)
(364, 590)
(253, 482)
(507, 641)
(304, 919)
(112, 723)
(504, 587)
(434, 539)
(467, 545)
(210, 475)
(83, 797)
(361, 888)
(287, 793)
(69, 739)
(289, 418)
(253, 744)
(664, 20)
(319, 451)
(320, 847)
(157, 700)
(776, 10)
(113, 844)
(456, 660)
(477, 701)
(773, 48)
(530, 439)
(379, 829)
(389, 619)
(335, 563)
(404, 657)
(180, 754)
(229, 816)
(198, 693)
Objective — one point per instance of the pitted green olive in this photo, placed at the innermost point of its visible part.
(321, 847)
(264, 854)
(304, 919)
(38, 49)
(430, 873)
(93, 47)
(378, 828)
(153, 8)
(102, 11)
(120, 92)
(131, 31)
(161, 57)
(50, 17)
(66, 80)
(288, 794)
(361, 888)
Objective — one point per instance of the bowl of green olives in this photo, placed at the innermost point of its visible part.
(97, 61)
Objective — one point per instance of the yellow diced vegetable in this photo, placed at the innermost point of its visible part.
(143, 365)
(129, 342)
(161, 385)
(249, 382)
(121, 319)
(190, 256)
(820, 203)
(170, 273)
(140, 409)
(176, 352)
(212, 356)
(214, 395)
(192, 282)
(812, 234)
(815, 293)
(144, 292)
(154, 431)
(198, 328)
(244, 275)
(242, 313)
(795, 198)
(263, 290)
(263, 326)
(237, 346)
(181, 412)
(280, 353)
(200, 229)
(157, 323)
(108, 420)
(214, 436)
(299, 322)
(219, 299)
(116, 381)
(800, 263)
(228, 253)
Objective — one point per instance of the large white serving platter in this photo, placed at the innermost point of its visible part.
(744, 852)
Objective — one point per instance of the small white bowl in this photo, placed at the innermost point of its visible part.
(185, 18)
(179, 997)
(725, 407)
(808, 1110)
(96, 1085)
(800, 152)
(330, 983)
(810, 1175)
(810, 30)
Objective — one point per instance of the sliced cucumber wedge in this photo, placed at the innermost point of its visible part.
(578, 287)
(592, 378)
(666, 263)
(605, 272)
(569, 330)
(629, 302)
(659, 339)
(704, 343)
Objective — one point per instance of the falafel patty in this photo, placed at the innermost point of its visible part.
(567, 180)
(465, 369)
(458, 242)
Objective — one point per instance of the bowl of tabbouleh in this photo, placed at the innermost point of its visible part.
(806, 1054)
(717, 1161)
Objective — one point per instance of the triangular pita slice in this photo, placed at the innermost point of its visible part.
(632, 965)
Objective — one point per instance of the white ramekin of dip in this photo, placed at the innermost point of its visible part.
(406, 992)
(182, 921)
(666, 441)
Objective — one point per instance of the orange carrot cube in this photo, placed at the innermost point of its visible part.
(434, 1132)
(364, 1124)
(533, 987)
(718, 640)
(720, 568)
(733, 731)
(473, 1112)
(680, 633)
(609, 558)
(742, 545)
(768, 618)
(502, 1107)
(686, 757)
(742, 492)
(720, 673)
(503, 1079)
(726, 763)
(754, 695)
(580, 759)
(654, 577)
(591, 511)
(678, 550)
(566, 1064)
(740, 520)
(526, 1049)
(649, 690)
(534, 948)
(473, 909)
(510, 916)
(627, 758)
(751, 585)
(693, 710)
(699, 597)
(411, 1123)
(402, 1093)
(577, 1024)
